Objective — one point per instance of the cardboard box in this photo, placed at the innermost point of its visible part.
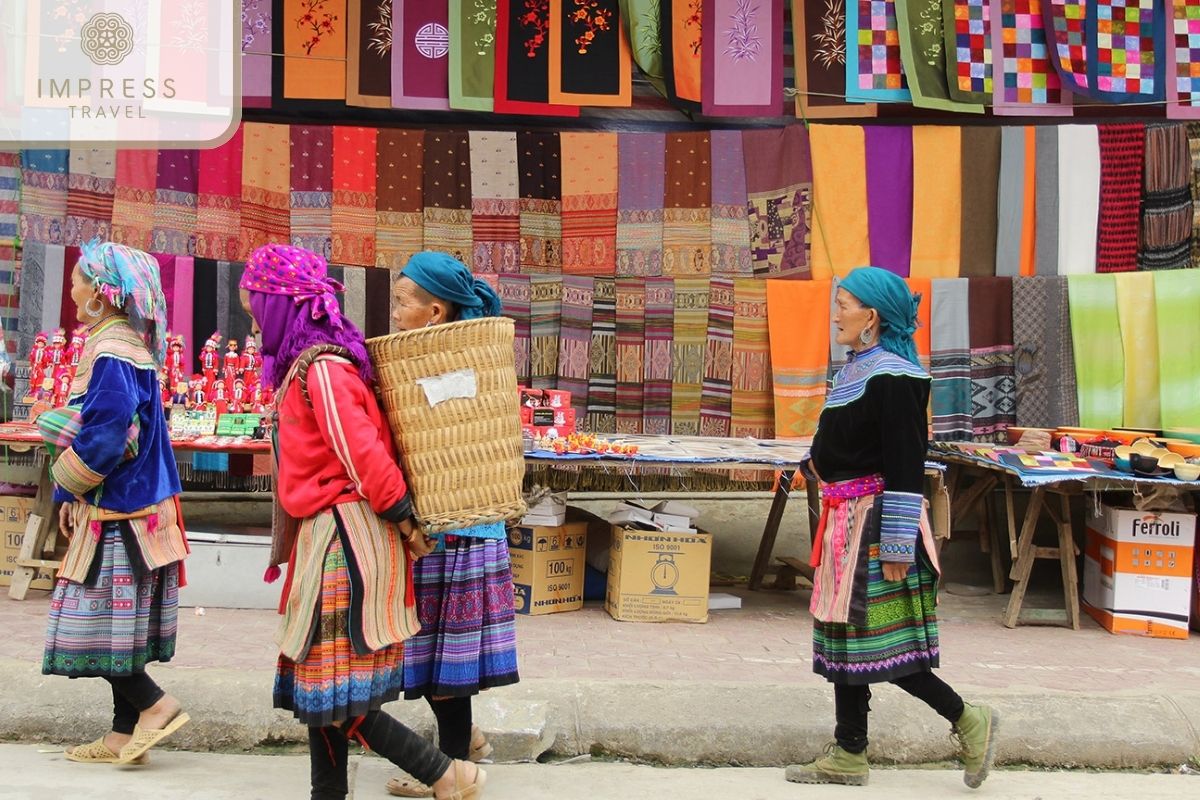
(547, 567)
(1137, 571)
(14, 516)
(658, 576)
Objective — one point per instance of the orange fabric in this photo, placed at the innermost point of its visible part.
(937, 201)
(840, 240)
(799, 358)
(923, 287)
(1029, 218)
(314, 49)
(685, 50)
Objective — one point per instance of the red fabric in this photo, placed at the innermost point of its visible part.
(1121, 156)
(338, 450)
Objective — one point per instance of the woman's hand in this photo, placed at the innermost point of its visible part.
(895, 570)
(419, 544)
(64, 519)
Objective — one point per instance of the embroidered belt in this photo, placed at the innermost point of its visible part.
(835, 495)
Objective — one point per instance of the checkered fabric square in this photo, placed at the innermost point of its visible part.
(879, 65)
(1125, 46)
(1069, 38)
(973, 53)
(1186, 42)
(1029, 76)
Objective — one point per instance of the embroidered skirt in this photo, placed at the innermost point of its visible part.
(866, 629)
(116, 625)
(468, 637)
(333, 682)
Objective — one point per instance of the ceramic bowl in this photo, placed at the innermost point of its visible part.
(1171, 460)
(1187, 434)
(1187, 472)
(1124, 451)
(1123, 464)
(1144, 447)
(1146, 466)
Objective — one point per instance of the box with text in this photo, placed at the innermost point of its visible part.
(547, 567)
(658, 576)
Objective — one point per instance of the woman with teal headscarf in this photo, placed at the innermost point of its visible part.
(464, 588)
(875, 586)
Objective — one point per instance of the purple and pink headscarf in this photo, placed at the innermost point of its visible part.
(295, 303)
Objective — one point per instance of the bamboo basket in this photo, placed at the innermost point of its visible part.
(463, 456)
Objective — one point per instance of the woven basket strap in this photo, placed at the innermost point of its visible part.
(308, 358)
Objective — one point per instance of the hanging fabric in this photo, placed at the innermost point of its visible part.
(730, 206)
(575, 342)
(311, 217)
(687, 205)
(1176, 297)
(1166, 229)
(1078, 198)
(1099, 359)
(631, 352)
(399, 217)
(91, 182)
(10, 306)
(1046, 200)
(742, 58)
(314, 49)
(1045, 354)
(840, 238)
(420, 55)
(515, 293)
(779, 186)
(473, 54)
(968, 42)
(495, 204)
(923, 53)
(889, 156)
(1010, 201)
(716, 393)
(641, 173)
(681, 31)
(133, 197)
(659, 332)
(687, 354)
(590, 63)
(521, 83)
(819, 47)
(798, 363)
(1193, 134)
(446, 193)
(44, 194)
(219, 200)
(753, 404)
(175, 202)
(993, 379)
(1097, 59)
(266, 151)
(539, 165)
(980, 158)
(545, 318)
(43, 278)
(602, 374)
(641, 21)
(1183, 50)
(10, 194)
(589, 203)
(1139, 343)
(1122, 147)
(369, 53)
(937, 201)
(353, 214)
(256, 53)
(880, 77)
(950, 360)
(1025, 82)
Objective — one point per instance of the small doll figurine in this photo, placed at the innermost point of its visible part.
(62, 386)
(232, 363)
(251, 363)
(237, 396)
(209, 357)
(220, 397)
(37, 365)
(199, 392)
(174, 364)
(57, 352)
(180, 396)
(257, 405)
(75, 351)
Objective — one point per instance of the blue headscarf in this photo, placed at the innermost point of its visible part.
(887, 293)
(447, 278)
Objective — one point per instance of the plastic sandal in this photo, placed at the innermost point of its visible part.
(97, 752)
(145, 738)
(481, 748)
(471, 791)
(403, 787)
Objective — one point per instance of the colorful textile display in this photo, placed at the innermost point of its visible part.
(178, 279)
(1096, 58)
(1099, 359)
(874, 67)
(1044, 353)
(495, 207)
(1166, 229)
(1140, 345)
(937, 201)
(1176, 295)
(420, 55)
(590, 63)
(1016, 229)
(575, 340)
(925, 56)
(889, 157)
(175, 202)
(687, 205)
(399, 217)
(446, 193)
(687, 354)
(472, 54)
(133, 198)
(993, 382)
(742, 58)
(515, 296)
(840, 238)
(522, 69)
(10, 310)
(256, 53)
(968, 28)
(1183, 50)
(631, 353)
(353, 213)
(10, 194)
(545, 315)
(369, 53)
(589, 203)
(219, 200)
(1193, 134)
(980, 160)
(602, 375)
(44, 195)
(1121, 154)
(311, 214)
(681, 31)
(716, 394)
(641, 173)
(950, 361)
(314, 49)
(266, 150)
(779, 186)
(91, 182)
(660, 331)
(539, 165)
(753, 403)
(730, 230)
(1046, 200)
(819, 44)
(798, 363)
(1078, 198)
(1025, 81)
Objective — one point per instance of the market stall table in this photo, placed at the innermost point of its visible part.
(1046, 482)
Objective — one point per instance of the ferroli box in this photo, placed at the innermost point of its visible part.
(1137, 571)
(658, 576)
(548, 566)
(14, 516)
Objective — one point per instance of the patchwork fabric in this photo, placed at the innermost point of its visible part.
(1065, 27)
(1112, 50)
(1183, 90)
(873, 66)
(1026, 81)
(968, 25)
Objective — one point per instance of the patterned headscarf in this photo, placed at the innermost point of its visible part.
(887, 293)
(297, 273)
(129, 280)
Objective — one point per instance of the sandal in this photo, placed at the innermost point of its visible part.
(145, 738)
(405, 787)
(481, 748)
(471, 791)
(97, 752)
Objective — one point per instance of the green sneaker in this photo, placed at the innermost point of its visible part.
(838, 766)
(976, 735)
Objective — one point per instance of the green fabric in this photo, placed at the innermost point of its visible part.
(1099, 359)
(472, 54)
(1177, 296)
(923, 53)
(641, 20)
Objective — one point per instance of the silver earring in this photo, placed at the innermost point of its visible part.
(87, 309)
(866, 336)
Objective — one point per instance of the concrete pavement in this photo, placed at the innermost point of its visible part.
(29, 772)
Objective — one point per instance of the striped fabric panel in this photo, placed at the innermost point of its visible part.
(10, 194)
(353, 212)
(133, 197)
(541, 235)
(90, 188)
(545, 313)
(575, 341)
(687, 241)
(753, 405)
(10, 315)
(641, 176)
(219, 201)
(631, 352)
(43, 195)
(730, 206)
(74, 476)
(900, 521)
(515, 296)
(266, 152)
(716, 394)
(691, 329)
(660, 331)
(175, 199)
(602, 382)
(311, 196)
(496, 226)
(951, 361)
(448, 230)
(589, 226)
(398, 209)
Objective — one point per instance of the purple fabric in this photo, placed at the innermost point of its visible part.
(178, 170)
(890, 197)
(728, 169)
(641, 164)
(256, 53)
(287, 331)
(420, 62)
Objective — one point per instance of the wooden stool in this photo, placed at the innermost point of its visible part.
(37, 545)
(1027, 553)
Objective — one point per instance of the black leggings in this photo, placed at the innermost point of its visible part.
(454, 725)
(328, 753)
(132, 695)
(853, 703)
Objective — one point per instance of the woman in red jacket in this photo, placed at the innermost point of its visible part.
(348, 601)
